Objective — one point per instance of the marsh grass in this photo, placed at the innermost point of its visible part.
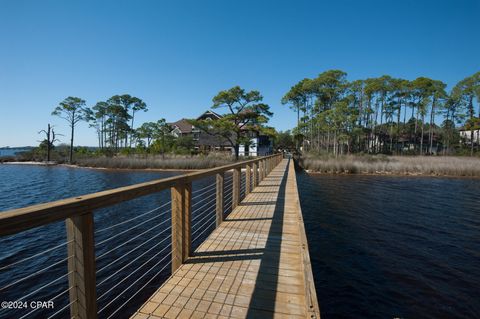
(157, 162)
(398, 165)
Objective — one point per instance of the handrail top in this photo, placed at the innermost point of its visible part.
(20, 219)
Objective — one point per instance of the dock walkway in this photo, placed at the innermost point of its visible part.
(254, 265)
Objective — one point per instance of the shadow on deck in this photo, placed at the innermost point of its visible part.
(249, 267)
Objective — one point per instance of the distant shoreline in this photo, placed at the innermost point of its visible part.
(389, 174)
(30, 163)
(431, 166)
(99, 168)
(131, 169)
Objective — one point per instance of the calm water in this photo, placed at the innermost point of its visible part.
(381, 247)
(128, 259)
(385, 247)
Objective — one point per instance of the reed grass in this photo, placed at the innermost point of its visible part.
(157, 162)
(397, 165)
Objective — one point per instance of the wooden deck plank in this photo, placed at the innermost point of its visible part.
(250, 266)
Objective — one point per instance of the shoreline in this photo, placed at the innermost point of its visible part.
(387, 174)
(131, 169)
(187, 170)
(463, 167)
(307, 171)
(33, 163)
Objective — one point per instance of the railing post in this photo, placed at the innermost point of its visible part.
(248, 181)
(81, 266)
(187, 222)
(255, 174)
(219, 201)
(237, 173)
(179, 223)
(259, 171)
(262, 169)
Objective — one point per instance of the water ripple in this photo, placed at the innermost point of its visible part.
(384, 247)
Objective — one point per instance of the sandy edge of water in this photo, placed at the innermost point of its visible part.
(311, 172)
(30, 163)
(101, 168)
(110, 168)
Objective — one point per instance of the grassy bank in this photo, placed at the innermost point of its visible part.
(395, 165)
(156, 162)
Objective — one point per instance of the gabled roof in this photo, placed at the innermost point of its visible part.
(183, 126)
(209, 114)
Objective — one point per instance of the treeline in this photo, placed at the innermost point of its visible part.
(114, 122)
(384, 115)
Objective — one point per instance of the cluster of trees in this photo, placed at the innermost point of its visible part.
(113, 121)
(284, 140)
(245, 113)
(382, 115)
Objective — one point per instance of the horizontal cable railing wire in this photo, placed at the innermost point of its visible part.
(35, 273)
(138, 290)
(203, 188)
(134, 259)
(27, 315)
(210, 227)
(33, 256)
(196, 221)
(62, 309)
(242, 188)
(199, 218)
(227, 205)
(210, 222)
(135, 237)
(203, 199)
(128, 264)
(200, 223)
(38, 276)
(210, 189)
(45, 286)
(128, 229)
(120, 294)
(134, 218)
(132, 250)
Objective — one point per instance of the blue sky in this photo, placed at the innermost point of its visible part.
(177, 55)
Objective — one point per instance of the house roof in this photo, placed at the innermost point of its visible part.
(183, 125)
(465, 129)
(209, 113)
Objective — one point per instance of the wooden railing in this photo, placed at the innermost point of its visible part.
(78, 215)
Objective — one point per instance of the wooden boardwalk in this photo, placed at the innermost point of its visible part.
(254, 265)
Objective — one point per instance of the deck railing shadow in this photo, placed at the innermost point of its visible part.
(270, 258)
(246, 219)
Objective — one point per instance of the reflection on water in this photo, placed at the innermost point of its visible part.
(384, 247)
